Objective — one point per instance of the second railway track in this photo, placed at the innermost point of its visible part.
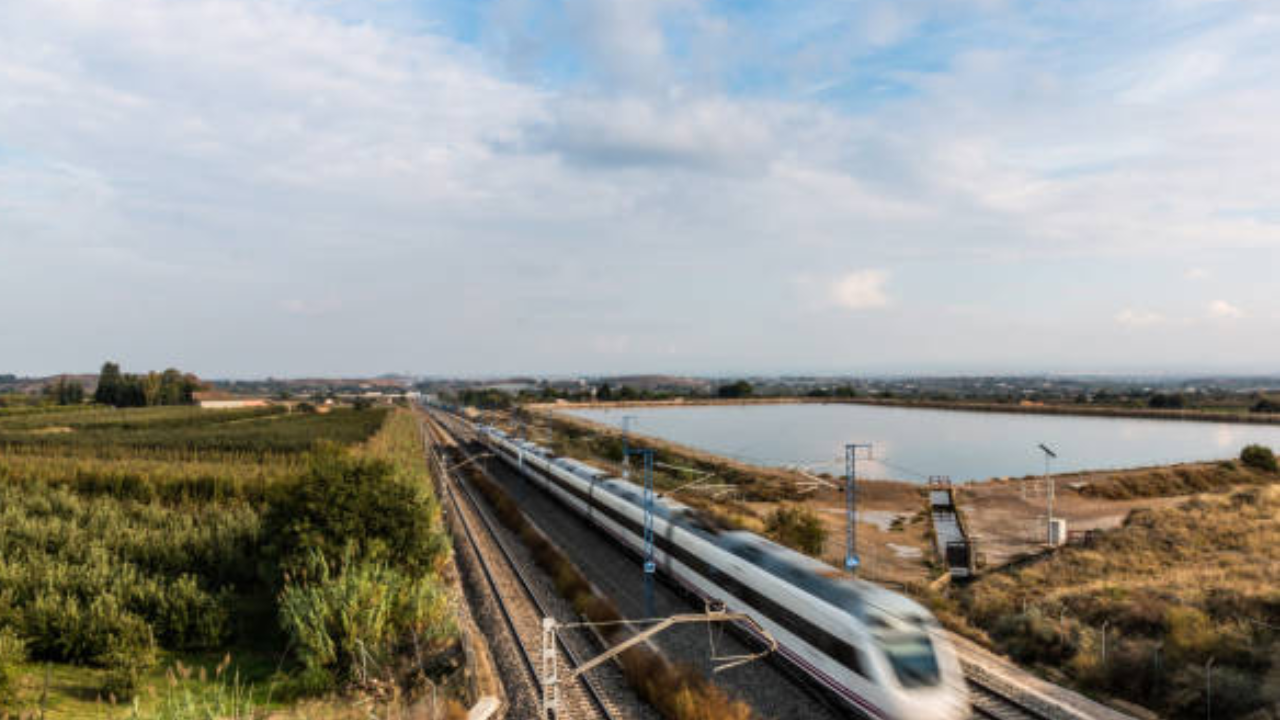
(989, 702)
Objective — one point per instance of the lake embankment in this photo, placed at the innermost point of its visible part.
(1246, 418)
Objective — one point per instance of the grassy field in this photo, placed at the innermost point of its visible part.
(1173, 589)
(173, 562)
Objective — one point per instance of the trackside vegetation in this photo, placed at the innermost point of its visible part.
(184, 563)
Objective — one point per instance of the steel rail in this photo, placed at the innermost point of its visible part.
(530, 665)
(1006, 707)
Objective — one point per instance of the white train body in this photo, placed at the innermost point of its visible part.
(879, 652)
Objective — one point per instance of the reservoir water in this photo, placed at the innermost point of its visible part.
(914, 443)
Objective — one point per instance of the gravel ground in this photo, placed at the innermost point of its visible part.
(767, 686)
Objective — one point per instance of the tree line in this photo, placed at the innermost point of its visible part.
(171, 387)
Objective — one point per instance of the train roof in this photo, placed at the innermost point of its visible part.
(578, 467)
(868, 602)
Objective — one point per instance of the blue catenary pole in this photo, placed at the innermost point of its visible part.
(851, 561)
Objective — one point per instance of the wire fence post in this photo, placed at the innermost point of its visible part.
(1208, 689)
(1105, 623)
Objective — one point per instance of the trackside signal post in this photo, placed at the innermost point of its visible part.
(649, 566)
(851, 503)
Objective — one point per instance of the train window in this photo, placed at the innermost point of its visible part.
(912, 658)
(851, 658)
(748, 553)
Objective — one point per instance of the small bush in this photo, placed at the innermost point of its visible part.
(1033, 638)
(1265, 405)
(1259, 457)
(13, 652)
(797, 528)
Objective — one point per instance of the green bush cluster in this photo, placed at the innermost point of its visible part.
(352, 620)
(344, 500)
(359, 542)
(1259, 457)
(106, 582)
(797, 528)
(192, 431)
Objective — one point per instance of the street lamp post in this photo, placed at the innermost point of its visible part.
(1048, 493)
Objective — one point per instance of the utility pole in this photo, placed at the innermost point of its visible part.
(1048, 493)
(649, 565)
(851, 504)
(626, 447)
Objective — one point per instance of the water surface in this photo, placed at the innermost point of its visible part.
(914, 443)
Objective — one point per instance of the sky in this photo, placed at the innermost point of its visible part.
(245, 188)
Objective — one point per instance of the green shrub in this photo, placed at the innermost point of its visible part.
(1259, 457)
(350, 624)
(1033, 638)
(344, 501)
(13, 652)
(797, 528)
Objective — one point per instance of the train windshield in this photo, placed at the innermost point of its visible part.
(912, 657)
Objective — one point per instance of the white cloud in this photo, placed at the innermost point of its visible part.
(323, 306)
(272, 151)
(1224, 310)
(860, 290)
(706, 133)
(1139, 318)
(611, 344)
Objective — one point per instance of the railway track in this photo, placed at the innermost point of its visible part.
(988, 702)
(521, 607)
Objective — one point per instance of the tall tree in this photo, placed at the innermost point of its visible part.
(65, 392)
(109, 385)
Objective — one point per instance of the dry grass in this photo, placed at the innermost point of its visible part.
(1186, 479)
(1175, 587)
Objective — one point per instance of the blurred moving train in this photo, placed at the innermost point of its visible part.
(882, 654)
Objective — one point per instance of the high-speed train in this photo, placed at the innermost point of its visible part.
(880, 653)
